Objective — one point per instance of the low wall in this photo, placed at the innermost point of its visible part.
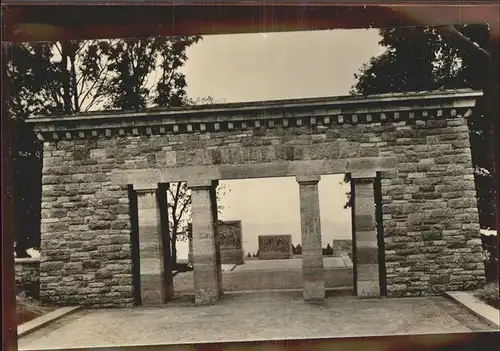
(28, 277)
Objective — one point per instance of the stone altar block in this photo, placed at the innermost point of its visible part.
(275, 247)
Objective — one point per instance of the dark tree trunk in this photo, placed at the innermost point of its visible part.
(66, 80)
(174, 250)
(73, 81)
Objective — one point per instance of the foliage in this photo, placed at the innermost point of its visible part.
(489, 245)
(187, 101)
(61, 78)
(328, 250)
(29, 309)
(490, 294)
(27, 175)
(422, 59)
(297, 250)
(78, 76)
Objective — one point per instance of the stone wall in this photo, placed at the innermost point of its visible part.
(430, 217)
(85, 226)
(28, 277)
(431, 229)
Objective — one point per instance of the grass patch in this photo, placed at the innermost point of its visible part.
(490, 294)
(29, 309)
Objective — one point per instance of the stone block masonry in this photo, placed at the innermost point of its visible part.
(86, 230)
(419, 144)
(28, 277)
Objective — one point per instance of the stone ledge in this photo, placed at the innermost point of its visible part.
(477, 307)
(48, 318)
(26, 260)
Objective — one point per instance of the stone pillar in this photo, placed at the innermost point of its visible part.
(312, 257)
(365, 238)
(190, 244)
(162, 200)
(215, 219)
(152, 270)
(206, 274)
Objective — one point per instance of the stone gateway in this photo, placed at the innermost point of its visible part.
(409, 153)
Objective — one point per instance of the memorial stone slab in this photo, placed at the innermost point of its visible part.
(231, 243)
(342, 247)
(275, 247)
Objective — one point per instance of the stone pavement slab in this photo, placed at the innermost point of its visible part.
(257, 316)
(490, 314)
(45, 319)
(286, 264)
(271, 275)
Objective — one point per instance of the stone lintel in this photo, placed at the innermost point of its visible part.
(366, 165)
(308, 179)
(363, 180)
(205, 174)
(145, 188)
(201, 183)
(367, 175)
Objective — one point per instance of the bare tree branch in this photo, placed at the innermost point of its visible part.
(455, 38)
(184, 206)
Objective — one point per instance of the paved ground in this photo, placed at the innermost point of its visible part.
(257, 265)
(272, 275)
(255, 316)
(152, 266)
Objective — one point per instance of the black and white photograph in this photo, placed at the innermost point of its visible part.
(259, 185)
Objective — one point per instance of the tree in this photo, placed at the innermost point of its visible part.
(443, 57)
(298, 249)
(179, 213)
(328, 250)
(202, 101)
(70, 77)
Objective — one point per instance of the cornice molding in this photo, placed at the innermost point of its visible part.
(316, 113)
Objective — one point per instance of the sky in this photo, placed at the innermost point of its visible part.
(270, 66)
